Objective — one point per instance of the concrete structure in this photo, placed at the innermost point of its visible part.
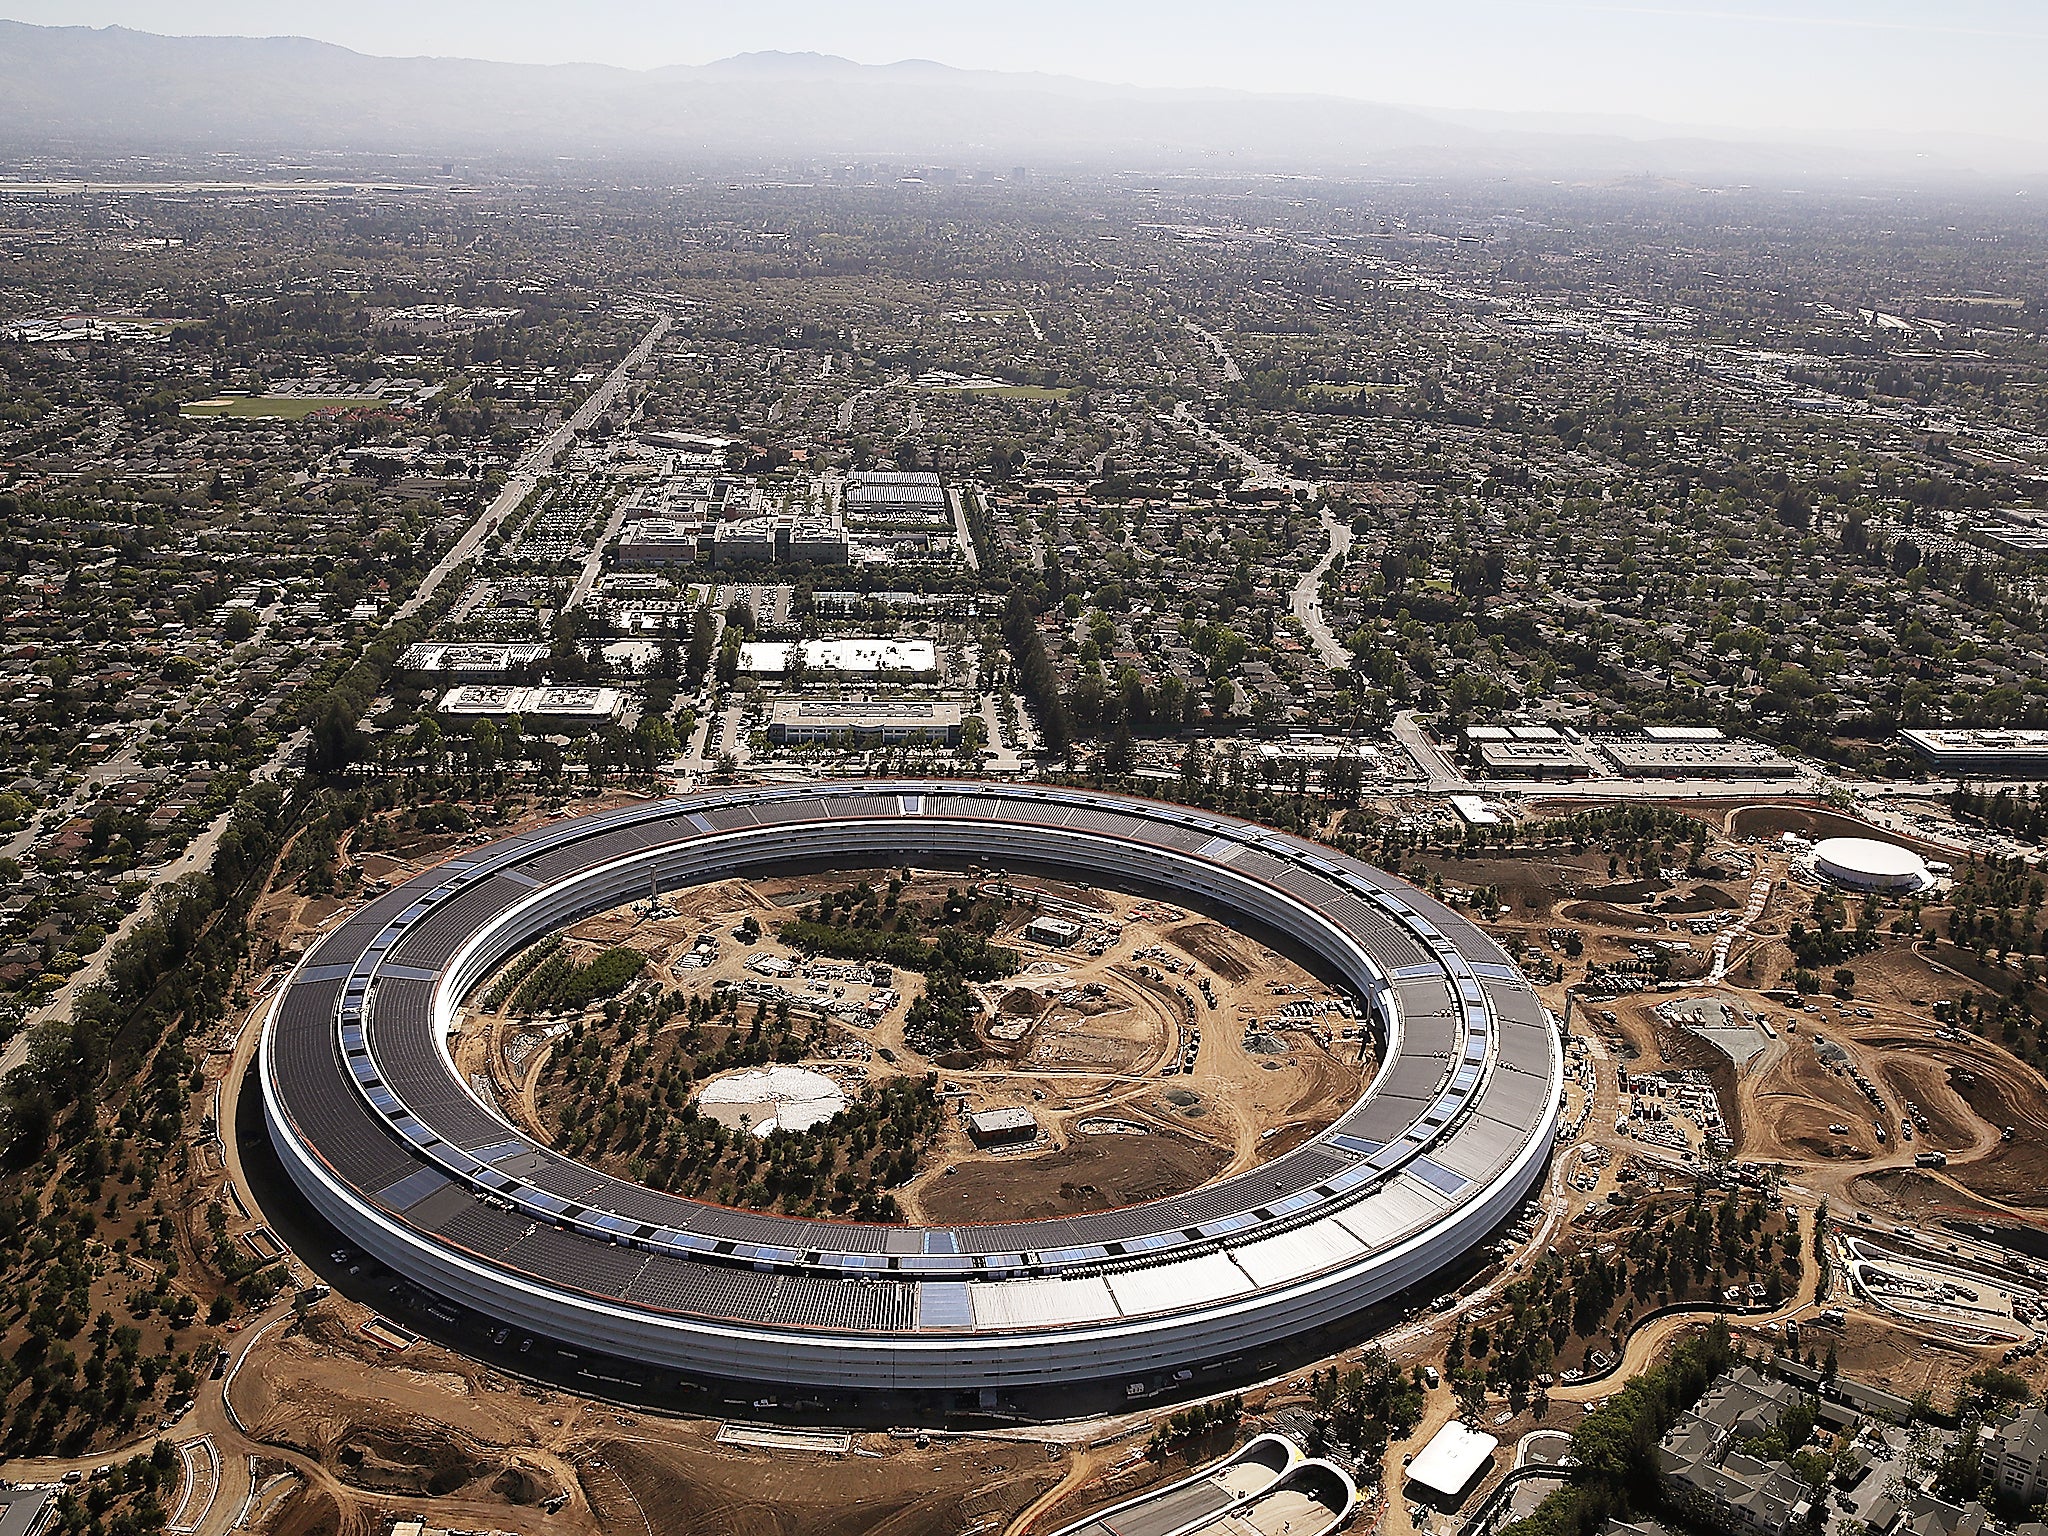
(387, 1141)
(1267, 1488)
(1321, 752)
(1552, 758)
(1694, 753)
(1056, 931)
(896, 499)
(1865, 864)
(26, 1511)
(1529, 752)
(1475, 812)
(2012, 1457)
(996, 1127)
(1451, 1460)
(852, 656)
(470, 662)
(1673, 733)
(779, 540)
(1990, 754)
(886, 722)
(661, 541)
(540, 711)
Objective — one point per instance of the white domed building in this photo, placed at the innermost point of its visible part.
(1865, 864)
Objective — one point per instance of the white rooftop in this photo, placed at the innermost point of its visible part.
(853, 654)
(1452, 1459)
(1868, 856)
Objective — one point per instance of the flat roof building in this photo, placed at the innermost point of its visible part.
(541, 711)
(1539, 759)
(901, 498)
(1689, 753)
(660, 541)
(738, 541)
(469, 661)
(1052, 930)
(1321, 751)
(854, 656)
(883, 722)
(2014, 754)
(1684, 733)
(26, 1511)
(997, 1127)
(779, 540)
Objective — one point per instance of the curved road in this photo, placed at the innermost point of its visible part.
(1306, 601)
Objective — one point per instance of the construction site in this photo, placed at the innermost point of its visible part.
(1141, 1049)
(1151, 1049)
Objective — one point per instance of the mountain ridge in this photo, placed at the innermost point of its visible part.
(115, 89)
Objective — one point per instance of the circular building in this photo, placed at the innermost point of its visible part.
(393, 1146)
(1865, 864)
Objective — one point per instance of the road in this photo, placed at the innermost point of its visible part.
(1443, 777)
(196, 858)
(1260, 474)
(1807, 786)
(848, 405)
(593, 566)
(967, 549)
(126, 759)
(1231, 371)
(1307, 602)
(1724, 942)
(533, 464)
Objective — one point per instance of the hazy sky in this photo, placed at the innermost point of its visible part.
(1973, 66)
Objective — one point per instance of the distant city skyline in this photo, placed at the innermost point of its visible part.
(1810, 67)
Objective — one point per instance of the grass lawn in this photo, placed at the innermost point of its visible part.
(1024, 392)
(280, 407)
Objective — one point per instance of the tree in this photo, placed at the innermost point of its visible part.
(426, 742)
(483, 749)
(973, 736)
(703, 641)
(337, 740)
(1120, 756)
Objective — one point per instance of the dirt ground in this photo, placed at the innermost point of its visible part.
(1090, 1173)
(688, 1488)
(1087, 1041)
(1900, 1361)
(484, 1452)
